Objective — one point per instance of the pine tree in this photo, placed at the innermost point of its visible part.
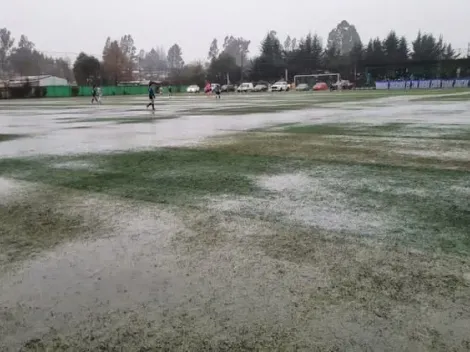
(391, 47)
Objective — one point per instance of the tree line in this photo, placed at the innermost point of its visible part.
(25, 60)
(344, 53)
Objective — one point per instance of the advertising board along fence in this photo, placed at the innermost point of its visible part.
(423, 84)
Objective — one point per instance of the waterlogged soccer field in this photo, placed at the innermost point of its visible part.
(309, 222)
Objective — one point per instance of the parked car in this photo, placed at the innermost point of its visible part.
(280, 86)
(228, 88)
(261, 87)
(214, 86)
(343, 85)
(320, 86)
(193, 89)
(245, 87)
(302, 87)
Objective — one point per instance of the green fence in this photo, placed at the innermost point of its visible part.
(59, 91)
(68, 91)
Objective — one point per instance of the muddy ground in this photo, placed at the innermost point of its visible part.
(329, 222)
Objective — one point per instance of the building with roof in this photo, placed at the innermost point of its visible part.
(37, 81)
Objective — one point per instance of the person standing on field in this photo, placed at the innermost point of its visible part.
(207, 88)
(99, 94)
(217, 91)
(94, 94)
(151, 97)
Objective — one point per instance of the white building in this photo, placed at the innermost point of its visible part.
(38, 81)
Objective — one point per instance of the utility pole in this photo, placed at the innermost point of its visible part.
(241, 66)
(355, 74)
(468, 50)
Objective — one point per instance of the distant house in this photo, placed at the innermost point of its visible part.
(133, 83)
(38, 81)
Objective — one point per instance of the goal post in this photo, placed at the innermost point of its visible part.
(311, 80)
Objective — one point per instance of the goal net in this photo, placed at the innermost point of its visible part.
(311, 80)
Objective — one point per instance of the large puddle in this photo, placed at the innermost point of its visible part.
(81, 128)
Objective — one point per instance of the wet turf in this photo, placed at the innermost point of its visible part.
(9, 137)
(351, 217)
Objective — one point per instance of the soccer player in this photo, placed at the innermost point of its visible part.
(207, 89)
(217, 91)
(151, 97)
(94, 94)
(99, 94)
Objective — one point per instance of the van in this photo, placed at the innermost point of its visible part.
(245, 87)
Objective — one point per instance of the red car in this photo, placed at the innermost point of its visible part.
(320, 86)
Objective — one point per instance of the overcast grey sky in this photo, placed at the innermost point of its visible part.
(74, 26)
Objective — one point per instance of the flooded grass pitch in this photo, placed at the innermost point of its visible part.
(330, 222)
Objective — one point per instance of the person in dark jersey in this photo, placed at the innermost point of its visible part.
(94, 93)
(151, 97)
(216, 90)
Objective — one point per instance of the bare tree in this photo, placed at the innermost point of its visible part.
(213, 50)
(24, 59)
(238, 48)
(287, 43)
(129, 50)
(114, 62)
(175, 57)
(6, 44)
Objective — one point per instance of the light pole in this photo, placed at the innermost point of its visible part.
(241, 65)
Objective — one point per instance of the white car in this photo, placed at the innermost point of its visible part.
(343, 85)
(280, 86)
(302, 87)
(193, 89)
(245, 87)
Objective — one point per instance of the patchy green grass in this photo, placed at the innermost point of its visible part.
(444, 98)
(78, 128)
(396, 129)
(162, 176)
(437, 219)
(245, 110)
(357, 268)
(347, 129)
(325, 277)
(8, 137)
(121, 120)
(318, 147)
(146, 119)
(429, 213)
(364, 288)
(284, 105)
(176, 331)
(37, 221)
(326, 280)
